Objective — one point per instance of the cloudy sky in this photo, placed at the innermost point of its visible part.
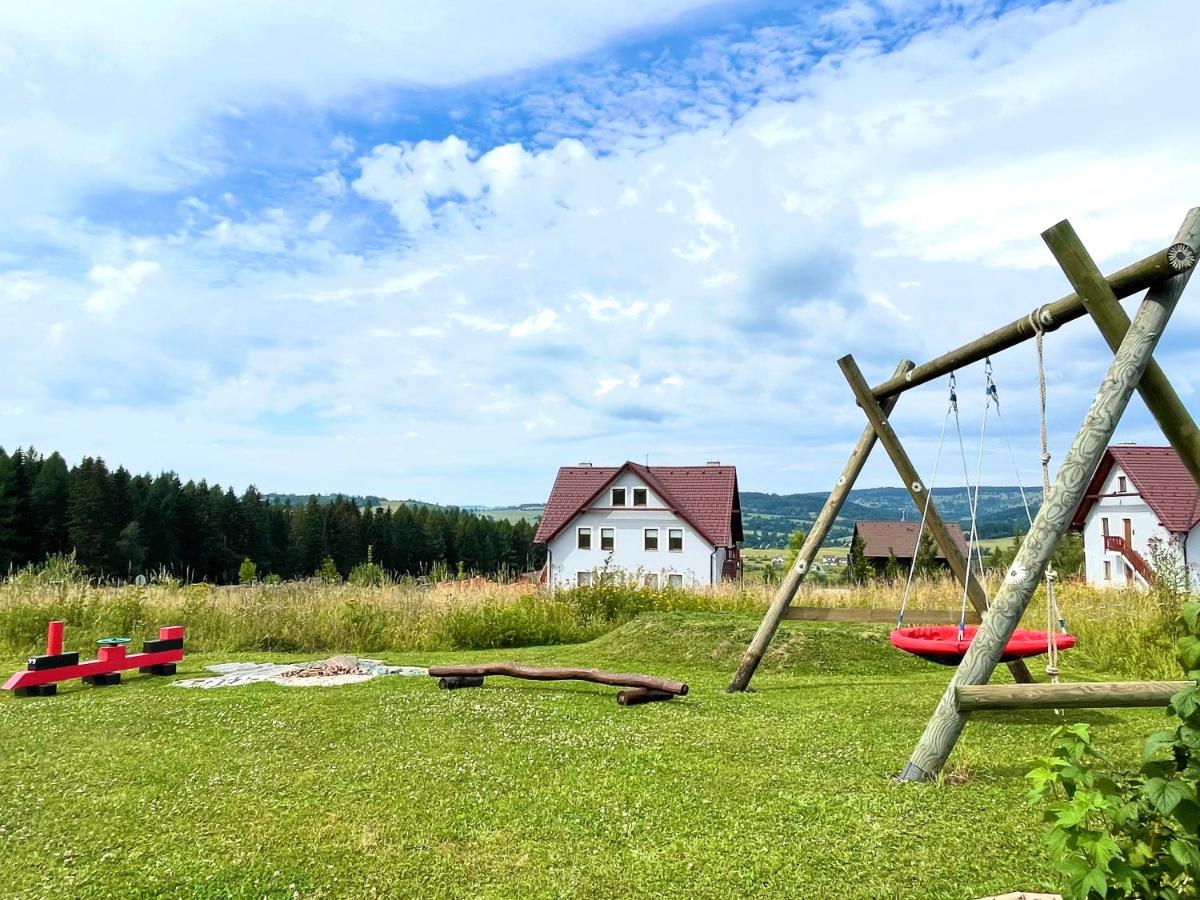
(437, 250)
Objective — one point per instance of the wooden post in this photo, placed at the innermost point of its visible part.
(1125, 283)
(1079, 695)
(1051, 521)
(786, 592)
(1097, 295)
(918, 491)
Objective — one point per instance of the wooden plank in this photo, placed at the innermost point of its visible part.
(808, 552)
(918, 490)
(1081, 695)
(535, 673)
(863, 614)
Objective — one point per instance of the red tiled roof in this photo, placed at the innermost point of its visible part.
(880, 538)
(1161, 479)
(706, 497)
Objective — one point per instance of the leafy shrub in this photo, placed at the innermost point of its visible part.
(368, 574)
(328, 572)
(1129, 834)
(247, 571)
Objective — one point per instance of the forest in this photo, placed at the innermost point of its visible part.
(121, 525)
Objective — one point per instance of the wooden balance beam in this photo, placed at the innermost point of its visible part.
(1082, 695)
(645, 688)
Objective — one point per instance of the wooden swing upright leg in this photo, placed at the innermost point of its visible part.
(1053, 517)
(1101, 302)
(808, 551)
(918, 491)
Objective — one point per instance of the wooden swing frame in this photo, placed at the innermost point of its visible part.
(1163, 275)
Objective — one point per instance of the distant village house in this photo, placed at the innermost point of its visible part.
(1136, 495)
(881, 539)
(669, 526)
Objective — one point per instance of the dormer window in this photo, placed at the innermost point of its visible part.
(639, 496)
(618, 496)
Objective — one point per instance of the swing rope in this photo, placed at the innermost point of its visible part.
(973, 550)
(952, 407)
(1053, 615)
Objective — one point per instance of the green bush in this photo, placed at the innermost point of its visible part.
(247, 571)
(1129, 834)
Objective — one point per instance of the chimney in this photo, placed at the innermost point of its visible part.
(714, 462)
(585, 465)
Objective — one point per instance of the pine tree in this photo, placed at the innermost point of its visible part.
(49, 498)
(927, 563)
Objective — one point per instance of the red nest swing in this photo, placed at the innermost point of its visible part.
(940, 643)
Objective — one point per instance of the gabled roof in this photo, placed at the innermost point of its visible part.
(881, 538)
(1161, 479)
(706, 497)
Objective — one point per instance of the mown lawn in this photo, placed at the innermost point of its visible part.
(396, 789)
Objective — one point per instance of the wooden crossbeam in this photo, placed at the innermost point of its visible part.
(880, 616)
(1082, 695)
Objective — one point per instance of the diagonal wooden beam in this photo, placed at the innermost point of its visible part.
(918, 491)
(808, 551)
(1100, 300)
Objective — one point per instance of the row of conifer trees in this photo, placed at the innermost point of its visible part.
(121, 525)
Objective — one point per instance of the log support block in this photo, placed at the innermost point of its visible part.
(454, 682)
(638, 696)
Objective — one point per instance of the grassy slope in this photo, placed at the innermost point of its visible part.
(393, 788)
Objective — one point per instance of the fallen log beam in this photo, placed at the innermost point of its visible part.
(1081, 695)
(534, 673)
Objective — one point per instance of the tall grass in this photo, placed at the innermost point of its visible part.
(1125, 633)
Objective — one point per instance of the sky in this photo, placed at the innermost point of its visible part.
(437, 251)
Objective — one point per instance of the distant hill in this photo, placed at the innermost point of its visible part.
(324, 499)
(770, 518)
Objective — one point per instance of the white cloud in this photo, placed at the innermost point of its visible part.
(124, 96)
(116, 287)
(541, 321)
(477, 322)
(783, 236)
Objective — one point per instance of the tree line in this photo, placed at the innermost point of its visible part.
(121, 525)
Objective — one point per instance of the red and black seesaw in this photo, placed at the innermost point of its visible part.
(43, 673)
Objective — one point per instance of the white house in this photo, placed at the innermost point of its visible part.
(1137, 494)
(665, 525)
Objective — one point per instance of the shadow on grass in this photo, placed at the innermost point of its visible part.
(1042, 717)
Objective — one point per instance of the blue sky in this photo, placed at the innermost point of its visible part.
(437, 251)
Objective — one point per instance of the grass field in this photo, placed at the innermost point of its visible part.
(393, 788)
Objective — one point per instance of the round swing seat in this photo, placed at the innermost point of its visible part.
(940, 643)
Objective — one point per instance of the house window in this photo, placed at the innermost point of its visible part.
(675, 580)
(583, 579)
(639, 496)
(585, 539)
(675, 539)
(1104, 526)
(1107, 570)
(651, 581)
(618, 496)
(1122, 485)
(650, 539)
(608, 538)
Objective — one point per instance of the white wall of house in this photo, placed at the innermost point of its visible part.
(696, 563)
(1108, 568)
